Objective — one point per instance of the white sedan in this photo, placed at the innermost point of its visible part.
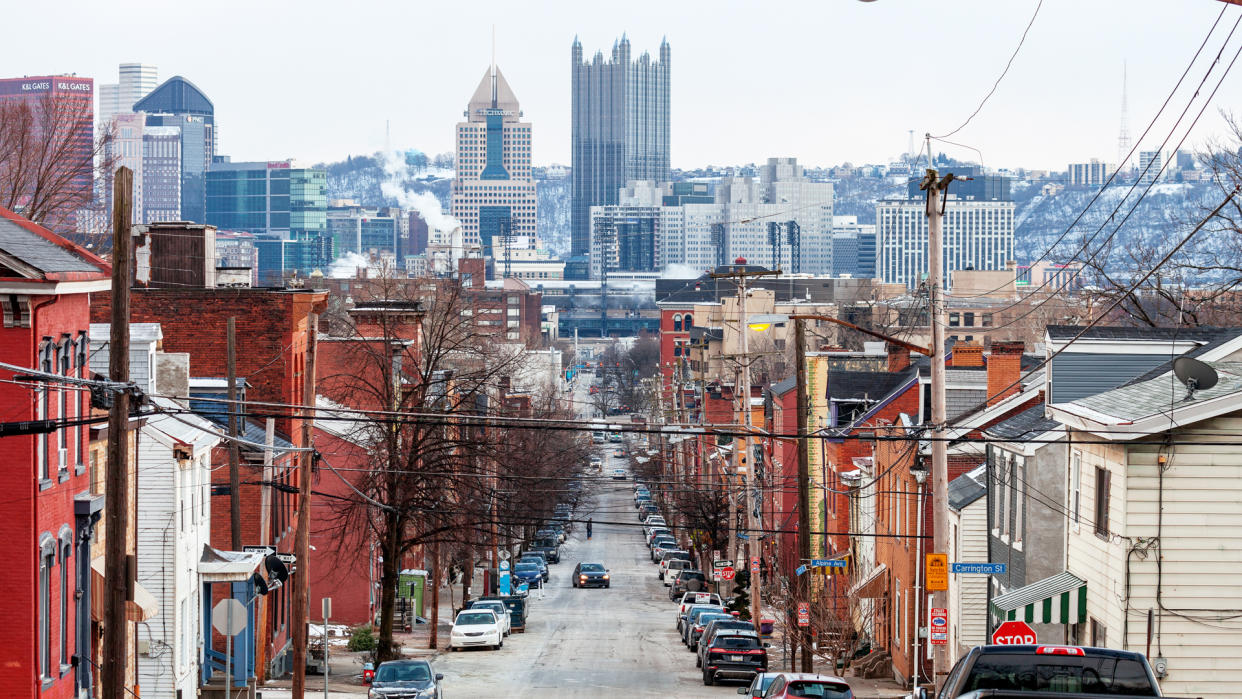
(476, 627)
(502, 613)
(669, 568)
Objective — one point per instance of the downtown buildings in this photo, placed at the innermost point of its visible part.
(136, 80)
(493, 194)
(978, 230)
(620, 129)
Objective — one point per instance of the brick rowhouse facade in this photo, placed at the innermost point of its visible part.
(48, 517)
(272, 335)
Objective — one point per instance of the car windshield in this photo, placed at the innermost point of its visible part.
(525, 567)
(476, 618)
(1059, 674)
(707, 618)
(531, 560)
(403, 672)
(497, 607)
(591, 568)
(687, 575)
(820, 690)
(734, 625)
(736, 642)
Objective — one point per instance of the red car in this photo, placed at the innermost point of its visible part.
(807, 684)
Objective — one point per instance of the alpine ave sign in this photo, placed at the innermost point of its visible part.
(1014, 633)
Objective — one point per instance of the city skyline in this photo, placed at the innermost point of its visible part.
(729, 106)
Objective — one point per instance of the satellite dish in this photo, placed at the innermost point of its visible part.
(1197, 375)
(260, 585)
(276, 568)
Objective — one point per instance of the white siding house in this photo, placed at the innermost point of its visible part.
(968, 543)
(1154, 513)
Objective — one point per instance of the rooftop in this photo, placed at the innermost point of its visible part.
(31, 251)
(1028, 424)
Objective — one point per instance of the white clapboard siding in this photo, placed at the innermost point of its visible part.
(974, 588)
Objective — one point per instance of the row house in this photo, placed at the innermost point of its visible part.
(49, 520)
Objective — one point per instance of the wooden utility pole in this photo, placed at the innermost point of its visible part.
(116, 567)
(434, 584)
(301, 542)
(234, 458)
(936, 188)
(804, 485)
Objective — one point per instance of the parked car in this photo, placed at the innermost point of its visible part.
(405, 678)
(732, 625)
(684, 617)
(736, 657)
(695, 624)
(529, 573)
(669, 563)
(689, 599)
(538, 560)
(591, 575)
(645, 510)
(551, 551)
(618, 474)
(516, 604)
(653, 532)
(502, 613)
(658, 550)
(475, 628)
(807, 684)
(687, 581)
(1042, 670)
(758, 685)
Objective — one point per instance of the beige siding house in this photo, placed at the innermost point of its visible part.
(968, 543)
(1154, 506)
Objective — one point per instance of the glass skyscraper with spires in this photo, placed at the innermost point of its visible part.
(620, 128)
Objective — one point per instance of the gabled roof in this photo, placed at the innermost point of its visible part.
(29, 251)
(1154, 405)
(869, 385)
(967, 488)
(1062, 333)
(1028, 424)
(784, 386)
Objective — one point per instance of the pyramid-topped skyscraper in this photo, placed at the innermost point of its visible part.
(493, 193)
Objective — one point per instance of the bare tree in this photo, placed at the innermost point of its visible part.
(48, 159)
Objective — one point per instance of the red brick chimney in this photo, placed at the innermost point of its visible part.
(967, 354)
(898, 357)
(1004, 369)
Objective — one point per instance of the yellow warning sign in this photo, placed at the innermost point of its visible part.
(937, 572)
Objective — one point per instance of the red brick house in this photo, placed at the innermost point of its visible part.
(48, 517)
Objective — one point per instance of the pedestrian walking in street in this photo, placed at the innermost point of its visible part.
(589, 528)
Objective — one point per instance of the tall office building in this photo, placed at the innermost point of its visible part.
(493, 193)
(75, 97)
(853, 248)
(362, 230)
(161, 174)
(620, 129)
(136, 80)
(125, 150)
(978, 230)
(178, 102)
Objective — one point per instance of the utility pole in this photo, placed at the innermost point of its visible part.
(301, 582)
(753, 525)
(234, 458)
(804, 484)
(116, 564)
(936, 188)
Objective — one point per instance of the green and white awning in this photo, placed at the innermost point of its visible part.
(1061, 599)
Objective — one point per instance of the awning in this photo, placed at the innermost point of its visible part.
(227, 566)
(1060, 599)
(143, 608)
(874, 585)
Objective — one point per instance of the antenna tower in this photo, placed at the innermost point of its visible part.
(1123, 136)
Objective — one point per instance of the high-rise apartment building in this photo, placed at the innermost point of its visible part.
(178, 102)
(136, 80)
(620, 129)
(1092, 174)
(853, 248)
(1149, 166)
(978, 230)
(493, 193)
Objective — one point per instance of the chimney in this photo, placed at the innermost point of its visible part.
(898, 357)
(968, 354)
(1004, 369)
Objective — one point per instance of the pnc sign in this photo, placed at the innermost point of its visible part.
(1014, 633)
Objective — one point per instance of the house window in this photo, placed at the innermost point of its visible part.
(1103, 479)
(677, 322)
(897, 613)
(968, 319)
(47, 560)
(66, 543)
(1019, 497)
(955, 320)
(688, 322)
(1075, 489)
(1099, 633)
(986, 320)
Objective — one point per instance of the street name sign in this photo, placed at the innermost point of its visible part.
(978, 568)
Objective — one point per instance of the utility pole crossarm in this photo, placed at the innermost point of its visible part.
(887, 338)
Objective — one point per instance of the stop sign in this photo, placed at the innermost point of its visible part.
(1012, 633)
(727, 573)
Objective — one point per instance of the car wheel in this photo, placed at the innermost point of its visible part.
(608, 585)
(698, 661)
(708, 679)
(502, 644)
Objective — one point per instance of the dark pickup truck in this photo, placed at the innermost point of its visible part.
(1046, 671)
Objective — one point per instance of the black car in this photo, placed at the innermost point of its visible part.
(591, 575)
(734, 657)
(550, 550)
(405, 678)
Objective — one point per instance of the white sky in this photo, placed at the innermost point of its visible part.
(826, 81)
